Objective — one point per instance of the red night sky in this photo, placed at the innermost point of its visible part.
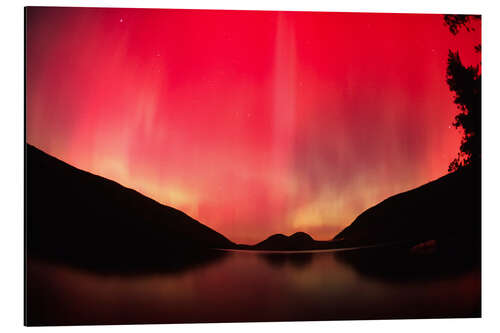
(251, 122)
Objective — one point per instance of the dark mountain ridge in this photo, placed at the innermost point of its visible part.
(448, 208)
(75, 216)
(432, 230)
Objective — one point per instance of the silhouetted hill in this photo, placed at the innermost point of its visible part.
(297, 241)
(447, 209)
(81, 218)
(432, 230)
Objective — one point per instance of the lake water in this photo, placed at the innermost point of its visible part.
(244, 286)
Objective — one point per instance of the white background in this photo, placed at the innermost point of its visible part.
(11, 164)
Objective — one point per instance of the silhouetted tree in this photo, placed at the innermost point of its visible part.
(456, 22)
(465, 83)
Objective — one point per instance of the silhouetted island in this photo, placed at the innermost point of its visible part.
(299, 241)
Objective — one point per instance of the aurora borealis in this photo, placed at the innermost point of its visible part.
(251, 122)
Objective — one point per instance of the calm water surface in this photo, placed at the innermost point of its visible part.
(243, 286)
